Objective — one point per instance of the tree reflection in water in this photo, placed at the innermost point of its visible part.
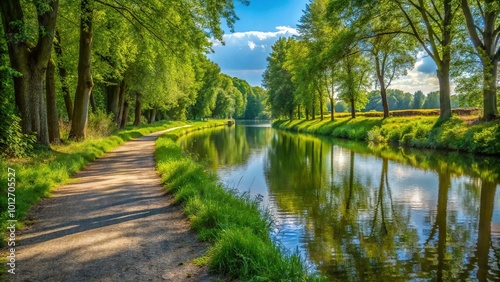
(371, 213)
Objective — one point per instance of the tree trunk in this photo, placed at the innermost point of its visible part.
(443, 72)
(93, 105)
(486, 45)
(332, 111)
(353, 109)
(152, 115)
(52, 117)
(383, 90)
(490, 90)
(487, 201)
(63, 76)
(444, 91)
(385, 104)
(126, 109)
(290, 114)
(441, 216)
(321, 108)
(298, 111)
(138, 106)
(307, 113)
(313, 114)
(112, 97)
(121, 103)
(31, 62)
(40, 117)
(85, 82)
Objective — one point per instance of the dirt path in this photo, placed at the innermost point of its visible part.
(113, 223)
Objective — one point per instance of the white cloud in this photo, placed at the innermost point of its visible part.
(251, 45)
(244, 53)
(282, 31)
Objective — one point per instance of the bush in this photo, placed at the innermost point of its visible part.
(101, 125)
(375, 136)
(13, 143)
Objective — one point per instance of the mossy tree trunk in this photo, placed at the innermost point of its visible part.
(52, 116)
(138, 109)
(85, 82)
(31, 62)
(63, 76)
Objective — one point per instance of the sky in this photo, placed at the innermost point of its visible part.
(265, 21)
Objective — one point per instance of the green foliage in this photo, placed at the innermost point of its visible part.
(278, 80)
(13, 143)
(101, 125)
(375, 136)
(256, 104)
(208, 75)
(431, 101)
(418, 100)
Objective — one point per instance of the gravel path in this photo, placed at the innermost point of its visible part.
(114, 222)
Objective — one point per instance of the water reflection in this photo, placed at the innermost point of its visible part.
(366, 213)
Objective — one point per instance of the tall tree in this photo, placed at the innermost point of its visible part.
(483, 24)
(432, 23)
(431, 101)
(85, 81)
(30, 58)
(278, 81)
(181, 28)
(418, 100)
(392, 52)
(208, 75)
(354, 80)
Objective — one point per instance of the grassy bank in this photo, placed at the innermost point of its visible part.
(418, 131)
(238, 230)
(43, 170)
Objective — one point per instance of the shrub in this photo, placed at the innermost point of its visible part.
(13, 143)
(375, 135)
(101, 125)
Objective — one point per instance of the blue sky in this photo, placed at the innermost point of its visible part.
(263, 22)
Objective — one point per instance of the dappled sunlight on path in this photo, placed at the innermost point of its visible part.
(113, 222)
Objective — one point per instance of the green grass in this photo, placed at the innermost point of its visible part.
(235, 225)
(417, 131)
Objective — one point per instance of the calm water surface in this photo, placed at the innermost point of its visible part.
(364, 213)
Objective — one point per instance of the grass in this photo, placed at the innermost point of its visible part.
(235, 225)
(415, 131)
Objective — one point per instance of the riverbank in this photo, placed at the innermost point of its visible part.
(237, 229)
(37, 174)
(417, 131)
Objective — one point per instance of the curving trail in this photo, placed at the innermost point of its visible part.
(113, 222)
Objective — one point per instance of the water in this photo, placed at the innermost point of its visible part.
(358, 213)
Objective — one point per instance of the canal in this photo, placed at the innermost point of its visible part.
(356, 212)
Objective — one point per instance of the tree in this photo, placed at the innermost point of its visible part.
(85, 82)
(393, 53)
(483, 24)
(418, 100)
(29, 58)
(256, 104)
(241, 101)
(181, 29)
(353, 82)
(433, 25)
(278, 81)
(208, 75)
(399, 100)
(432, 101)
